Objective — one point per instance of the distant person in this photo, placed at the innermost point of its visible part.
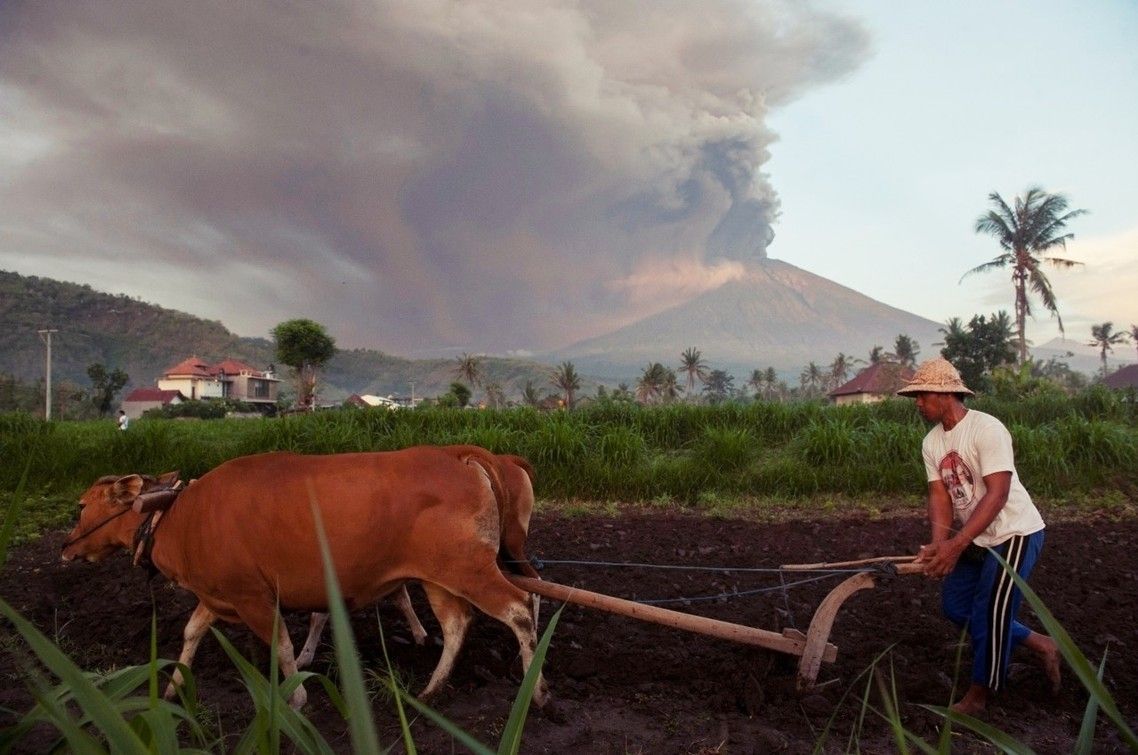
(976, 507)
(124, 421)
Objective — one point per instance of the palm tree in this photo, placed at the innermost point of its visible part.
(567, 379)
(811, 378)
(905, 350)
(757, 380)
(1104, 336)
(1026, 233)
(670, 387)
(691, 362)
(840, 369)
(469, 368)
(771, 379)
(495, 396)
(954, 333)
(650, 386)
(877, 354)
(529, 395)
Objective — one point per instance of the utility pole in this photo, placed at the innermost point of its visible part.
(45, 335)
(412, 394)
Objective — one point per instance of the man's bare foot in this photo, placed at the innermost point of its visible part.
(1047, 650)
(974, 702)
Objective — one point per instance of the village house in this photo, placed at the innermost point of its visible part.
(143, 399)
(369, 401)
(194, 379)
(876, 382)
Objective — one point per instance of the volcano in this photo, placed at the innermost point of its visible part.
(774, 315)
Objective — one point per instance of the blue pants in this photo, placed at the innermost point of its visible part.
(981, 596)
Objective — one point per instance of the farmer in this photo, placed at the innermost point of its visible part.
(977, 507)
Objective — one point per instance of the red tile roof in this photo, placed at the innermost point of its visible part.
(880, 378)
(199, 368)
(234, 367)
(191, 366)
(153, 394)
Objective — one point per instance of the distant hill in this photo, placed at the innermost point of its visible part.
(1081, 357)
(775, 315)
(145, 339)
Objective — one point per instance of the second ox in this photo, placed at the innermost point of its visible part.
(515, 507)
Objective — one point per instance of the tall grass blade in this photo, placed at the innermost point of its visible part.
(1085, 743)
(94, 703)
(892, 713)
(393, 685)
(293, 725)
(462, 737)
(78, 740)
(1002, 740)
(13, 514)
(1074, 657)
(511, 741)
(360, 723)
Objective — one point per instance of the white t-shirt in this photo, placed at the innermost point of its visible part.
(976, 446)
(123, 422)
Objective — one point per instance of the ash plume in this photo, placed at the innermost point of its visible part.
(414, 175)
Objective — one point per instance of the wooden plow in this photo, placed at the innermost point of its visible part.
(812, 648)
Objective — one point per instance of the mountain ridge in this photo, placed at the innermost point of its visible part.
(145, 339)
(774, 314)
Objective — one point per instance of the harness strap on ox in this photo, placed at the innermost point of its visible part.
(154, 504)
(144, 541)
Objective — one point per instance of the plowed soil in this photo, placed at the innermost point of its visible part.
(622, 686)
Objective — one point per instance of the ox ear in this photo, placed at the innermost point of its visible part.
(125, 489)
(169, 478)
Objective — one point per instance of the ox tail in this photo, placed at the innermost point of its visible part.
(482, 458)
(520, 462)
(514, 532)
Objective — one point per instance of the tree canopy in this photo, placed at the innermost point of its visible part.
(104, 386)
(979, 348)
(305, 346)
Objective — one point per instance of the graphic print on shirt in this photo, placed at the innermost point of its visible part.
(958, 479)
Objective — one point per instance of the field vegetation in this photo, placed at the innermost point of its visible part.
(688, 455)
(694, 455)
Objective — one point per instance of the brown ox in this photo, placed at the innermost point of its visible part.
(515, 507)
(242, 539)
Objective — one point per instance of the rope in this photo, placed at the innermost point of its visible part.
(783, 587)
(680, 567)
(733, 593)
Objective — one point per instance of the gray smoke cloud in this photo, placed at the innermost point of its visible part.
(479, 175)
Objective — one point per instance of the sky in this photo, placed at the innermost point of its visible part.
(509, 177)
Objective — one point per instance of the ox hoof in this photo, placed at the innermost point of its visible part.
(298, 698)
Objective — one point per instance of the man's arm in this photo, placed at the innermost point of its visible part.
(940, 511)
(940, 555)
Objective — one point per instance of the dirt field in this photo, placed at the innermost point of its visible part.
(626, 687)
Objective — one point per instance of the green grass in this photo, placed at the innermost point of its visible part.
(606, 451)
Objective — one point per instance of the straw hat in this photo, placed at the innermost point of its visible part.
(935, 376)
